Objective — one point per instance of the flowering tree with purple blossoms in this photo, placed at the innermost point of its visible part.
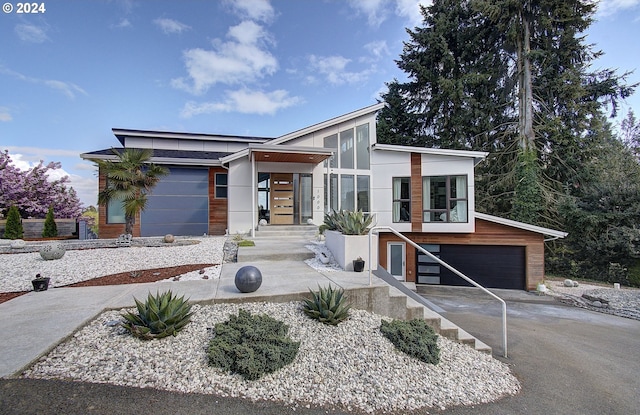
(33, 192)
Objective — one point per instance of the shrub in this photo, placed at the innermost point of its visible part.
(246, 242)
(328, 306)
(50, 229)
(251, 345)
(160, 316)
(414, 338)
(13, 228)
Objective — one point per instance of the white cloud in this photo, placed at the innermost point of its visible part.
(123, 23)
(240, 60)
(378, 49)
(244, 101)
(169, 26)
(410, 10)
(5, 116)
(69, 89)
(31, 33)
(375, 10)
(259, 10)
(334, 69)
(610, 7)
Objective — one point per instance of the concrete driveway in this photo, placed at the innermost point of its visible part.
(569, 360)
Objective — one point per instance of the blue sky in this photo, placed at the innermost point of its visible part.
(252, 67)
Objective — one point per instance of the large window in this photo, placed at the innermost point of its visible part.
(401, 199)
(348, 185)
(444, 199)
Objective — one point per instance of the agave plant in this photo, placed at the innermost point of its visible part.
(160, 316)
(328, 306)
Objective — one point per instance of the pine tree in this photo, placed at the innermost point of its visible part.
(50, 229)
(13, 228)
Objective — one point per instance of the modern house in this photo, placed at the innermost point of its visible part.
(227, 184)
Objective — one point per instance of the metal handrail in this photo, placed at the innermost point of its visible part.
(450, 268)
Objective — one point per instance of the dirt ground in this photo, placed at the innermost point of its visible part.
(130, 277)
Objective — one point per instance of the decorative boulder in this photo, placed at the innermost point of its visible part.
(53, 250)
(569, 283)
(248, 279)
(263, 222)
(18, 244)
(169, 239)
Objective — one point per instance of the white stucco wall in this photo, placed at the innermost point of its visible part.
(385, 165)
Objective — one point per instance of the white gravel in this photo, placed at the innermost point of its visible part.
(351, 366)
(17, 270)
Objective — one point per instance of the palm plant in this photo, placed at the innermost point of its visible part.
(130, 179)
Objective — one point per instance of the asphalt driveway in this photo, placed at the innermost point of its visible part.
(569, 360)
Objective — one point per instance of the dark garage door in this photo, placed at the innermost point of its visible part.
(488, 265)
(179, 204)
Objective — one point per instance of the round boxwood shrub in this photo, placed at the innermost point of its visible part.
(251, 345)
(413, 337)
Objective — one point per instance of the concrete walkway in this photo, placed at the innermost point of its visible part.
(34, 323)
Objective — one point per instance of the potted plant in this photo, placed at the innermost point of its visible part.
(40, 283)
(346, 236)
(358, 264)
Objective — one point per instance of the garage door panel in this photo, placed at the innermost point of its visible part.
(179, 204)
(489, 266)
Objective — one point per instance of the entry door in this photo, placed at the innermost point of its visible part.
(282, 198)
(396, 264)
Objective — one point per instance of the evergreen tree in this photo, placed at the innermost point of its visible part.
(50, 229)
(13, 227)
(630, 133)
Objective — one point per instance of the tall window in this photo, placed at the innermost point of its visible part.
(115, 212)
(362, 147)
(362, 202)
(331, 142)
(221, 185)
(444, 199)
(347, 192)
(346, 149)
(402, 199)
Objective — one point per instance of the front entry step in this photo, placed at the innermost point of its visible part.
(300, 232)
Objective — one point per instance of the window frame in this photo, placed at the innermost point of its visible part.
(449, 200)
(400, 200)
(218, 186)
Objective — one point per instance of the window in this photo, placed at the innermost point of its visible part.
(221, 185)
(363, 193)
(331, 142)
(444, 199)
(115, 211)
(347, 192)
(362, 146)
(401, 199)
(346, 149)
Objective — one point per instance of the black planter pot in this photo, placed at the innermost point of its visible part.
(40, 284)
(358, 265)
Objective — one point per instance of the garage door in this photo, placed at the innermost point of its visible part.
(179, 204)
(490, 266)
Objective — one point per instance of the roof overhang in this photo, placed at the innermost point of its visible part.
(521, 225)
(158, 160)
(477, 156)
(122, 133)
(288, 154)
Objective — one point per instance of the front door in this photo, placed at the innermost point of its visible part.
(396, 264)
(281, 198)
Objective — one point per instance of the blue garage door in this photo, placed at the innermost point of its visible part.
(179, 204)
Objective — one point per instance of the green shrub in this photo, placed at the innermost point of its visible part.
(50, 229)
(328, 306)
(160, 316)
(251, 345)
(13, 228)
(246, 242)
(414, 338)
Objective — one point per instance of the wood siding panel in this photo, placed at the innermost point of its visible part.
(487, 233)
(217, 207)
(416, 192)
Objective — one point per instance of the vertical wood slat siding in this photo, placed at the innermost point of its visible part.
(113, 230)
(487, 233)
(416, 192)
(217, 207)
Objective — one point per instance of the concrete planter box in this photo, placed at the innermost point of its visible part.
(346, 248)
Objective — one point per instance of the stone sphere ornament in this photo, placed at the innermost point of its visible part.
(169, 239)
(53, 250)
(248, 279)
(18, 244)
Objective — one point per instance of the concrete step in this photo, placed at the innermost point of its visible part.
(286, 232)
(267, 250)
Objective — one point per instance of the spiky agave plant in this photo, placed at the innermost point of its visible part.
(160, 316)
(328, 305)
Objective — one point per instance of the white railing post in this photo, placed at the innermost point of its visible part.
(450, 268)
